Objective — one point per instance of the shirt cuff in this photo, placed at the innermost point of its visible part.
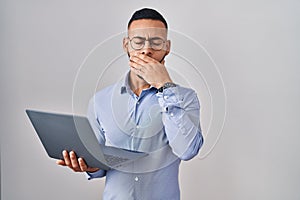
(170, 97)
(98, 174)
(176, 102)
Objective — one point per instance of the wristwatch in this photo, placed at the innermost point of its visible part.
(166, 85)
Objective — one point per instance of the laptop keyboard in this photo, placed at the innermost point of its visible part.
(114, 160)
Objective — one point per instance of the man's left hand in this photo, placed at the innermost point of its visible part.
(151, 70)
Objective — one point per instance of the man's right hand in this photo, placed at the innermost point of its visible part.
(77, 165)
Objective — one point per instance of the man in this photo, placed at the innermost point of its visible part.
(146, 112)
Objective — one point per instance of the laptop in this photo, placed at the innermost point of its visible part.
(59, 132)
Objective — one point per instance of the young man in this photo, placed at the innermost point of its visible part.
(146, 112)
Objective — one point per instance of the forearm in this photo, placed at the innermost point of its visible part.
(181, 118)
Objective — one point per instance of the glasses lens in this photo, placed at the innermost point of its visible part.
(138, 43)
(157, 43)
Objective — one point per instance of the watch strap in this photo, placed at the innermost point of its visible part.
(166, 85)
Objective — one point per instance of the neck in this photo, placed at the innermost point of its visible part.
(137, 84)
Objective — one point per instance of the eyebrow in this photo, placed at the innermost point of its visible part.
(151, 38)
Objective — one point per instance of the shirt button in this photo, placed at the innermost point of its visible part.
(166, 97)
(136, 179)
(137, 126)
(171, 114)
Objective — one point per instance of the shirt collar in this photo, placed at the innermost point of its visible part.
(125, 88)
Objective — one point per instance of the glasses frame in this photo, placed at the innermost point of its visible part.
(149, 40)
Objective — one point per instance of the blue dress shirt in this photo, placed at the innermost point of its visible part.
(165, 124)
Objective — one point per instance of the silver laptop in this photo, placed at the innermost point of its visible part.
(59, 132)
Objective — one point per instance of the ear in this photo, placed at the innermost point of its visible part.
(168, 46)
(125, 44)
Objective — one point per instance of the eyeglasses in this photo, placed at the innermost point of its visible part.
(156, 43)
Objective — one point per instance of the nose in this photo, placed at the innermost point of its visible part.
(147, 49)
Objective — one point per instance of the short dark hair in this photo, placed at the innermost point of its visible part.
(147, 13)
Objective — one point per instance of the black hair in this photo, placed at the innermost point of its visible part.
(147, 13)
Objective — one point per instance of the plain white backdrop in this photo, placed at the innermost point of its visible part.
(254, 43)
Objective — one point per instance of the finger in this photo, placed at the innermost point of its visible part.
(74, 162)
(67, 158)
(61, 162)
(82, 164)
(144, 64)
(92, 169)
(138, 60)
(84, 167)
(139, 69)
(146, 58)
(136, 71)
(134, 65)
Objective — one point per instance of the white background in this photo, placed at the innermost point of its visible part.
(254, 43)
